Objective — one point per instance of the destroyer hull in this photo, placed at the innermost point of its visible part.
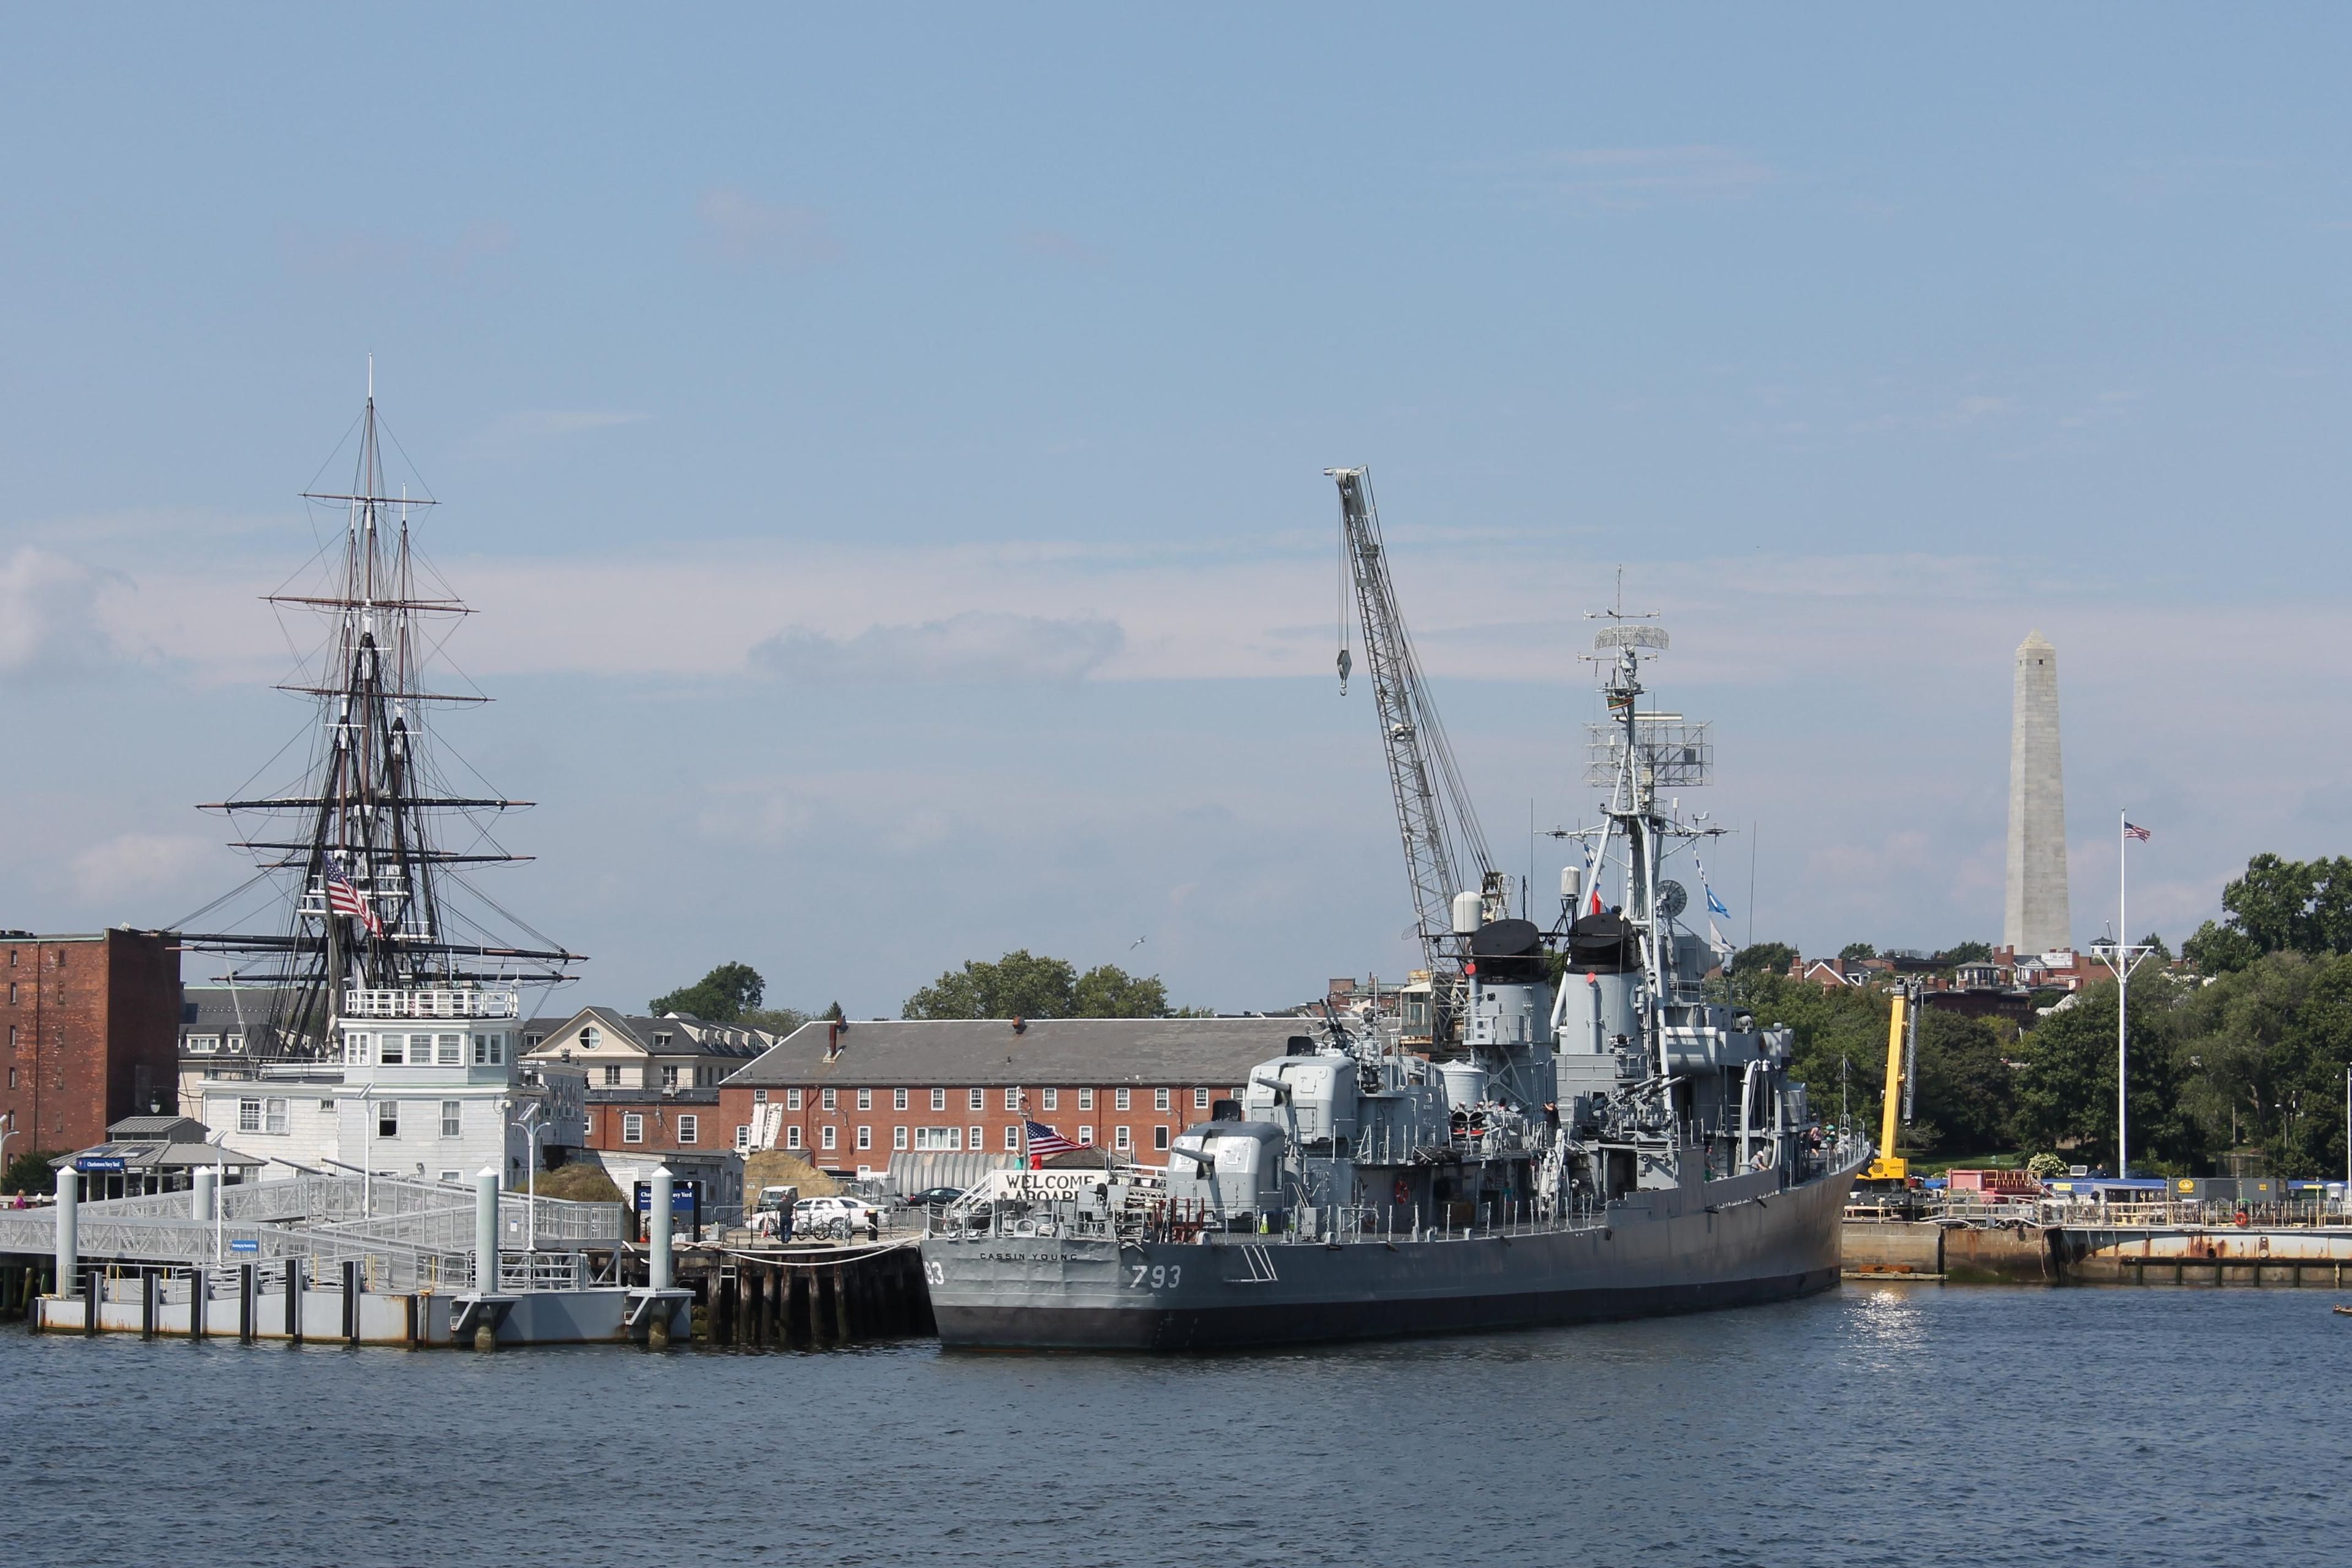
(1725, 1243)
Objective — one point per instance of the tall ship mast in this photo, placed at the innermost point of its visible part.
(1602, 1138)
(366, 852)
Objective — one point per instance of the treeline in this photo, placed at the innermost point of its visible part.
(1020, 984)
(2244, 1049)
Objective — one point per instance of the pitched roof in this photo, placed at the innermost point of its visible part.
(687, 1036)
(982, 1052)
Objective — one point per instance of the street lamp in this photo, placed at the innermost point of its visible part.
(531, 1128)
(8, 1127)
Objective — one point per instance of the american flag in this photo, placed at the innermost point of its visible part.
(2136, 831)
(342, 898)
(1044, 1140)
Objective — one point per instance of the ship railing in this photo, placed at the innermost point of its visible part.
(1193, 1221)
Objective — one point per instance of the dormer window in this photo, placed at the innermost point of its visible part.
(660, 1040)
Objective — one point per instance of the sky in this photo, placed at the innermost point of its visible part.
(886, 449)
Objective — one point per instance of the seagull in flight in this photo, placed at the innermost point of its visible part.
(1136, 944)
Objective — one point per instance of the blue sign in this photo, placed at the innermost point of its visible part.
(98, 1163)
(244, 1244)
(681, 1197)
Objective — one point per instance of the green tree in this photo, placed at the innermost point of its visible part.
(29, 1172)
(721, 996)
(1967, 1090)
(1965, 952)
(2264, 1051)
(1108, 992)
(835, 1014)
(1763, 958)
(1022, 984)
(1855, 950)
(775, 1020)
(2278, 906)
(2066, 1080)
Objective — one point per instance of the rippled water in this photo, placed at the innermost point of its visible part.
(1896, 1425)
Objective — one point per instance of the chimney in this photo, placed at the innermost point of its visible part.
(832, 1039)
(1020, 1025)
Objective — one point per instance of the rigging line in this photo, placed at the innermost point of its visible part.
(532, 931)
(339, 447)
(238, 793)
(183, 922)
(383, 427)
(306, 565)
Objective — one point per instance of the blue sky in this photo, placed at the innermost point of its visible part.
(888, 450)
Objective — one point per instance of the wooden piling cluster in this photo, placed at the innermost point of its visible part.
(806, 1297)
(19, 1283)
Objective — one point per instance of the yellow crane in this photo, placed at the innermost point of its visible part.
(1902, 1038)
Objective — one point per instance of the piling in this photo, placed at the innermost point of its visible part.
(485, 1256)
(660, 1261)
(68, 1235)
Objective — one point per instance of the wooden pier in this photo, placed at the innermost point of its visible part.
(806, 1297)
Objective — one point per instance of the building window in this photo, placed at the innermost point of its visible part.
(388, 1050)
(1159, 1100)
(827, 1099)
(387, 1119)
(1087, 1135)
(1120, 1139)
(612, 1075)
(232, 1042)
(198, 1044)
(898, 1138)
(939, 1100)
(865, 1101)
(760, 1097)
(248, 1116)
(742, 1139)
(590, 1037)
(897, 1100)
(1012, 1099)
(1160, 1138)
(1012, 1139)
(865, 1138)
(792, 1137)
(792, 1098)
(420, 1051)
(633, 1127)
(1199, 1099)
(669, 1075)
(979, 1138)
(452, 1113)
(449, 1050)
(1052, 1100)
(326, 1105)
(690, 1130)
(660, 1040)
(939, 1137)
(827, 1134)
(1085, 1099)
(489, 1050)
(1121, 1096)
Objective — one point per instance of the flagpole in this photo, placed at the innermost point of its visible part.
(2123, 996)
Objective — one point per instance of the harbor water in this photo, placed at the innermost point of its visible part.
(1897, 1424)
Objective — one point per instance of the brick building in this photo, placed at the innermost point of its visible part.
(853, 1096)
(91, 1034)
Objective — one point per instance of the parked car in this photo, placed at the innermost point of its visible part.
(933, 1197)
(837, 1218)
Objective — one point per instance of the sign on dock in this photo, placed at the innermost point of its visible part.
(244, 1244)
(98, 1163)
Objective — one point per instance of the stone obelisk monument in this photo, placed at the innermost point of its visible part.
(2035, 919)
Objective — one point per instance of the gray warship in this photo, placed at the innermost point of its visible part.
(1598, 1138)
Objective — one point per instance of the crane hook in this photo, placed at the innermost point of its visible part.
(1346, 664)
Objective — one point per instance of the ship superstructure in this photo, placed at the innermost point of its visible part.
(1600, 1138)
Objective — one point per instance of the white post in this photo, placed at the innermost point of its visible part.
(202, 1197)
(659, 1261)
(485, 1231)
(69, 1238)
(220, 1179)
(2122, 1003)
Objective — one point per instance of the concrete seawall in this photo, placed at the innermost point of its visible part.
(2019, 1252)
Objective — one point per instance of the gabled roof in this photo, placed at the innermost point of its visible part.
(687, 1036)
(981, 1053)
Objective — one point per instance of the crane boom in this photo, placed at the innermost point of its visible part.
(1434, 815)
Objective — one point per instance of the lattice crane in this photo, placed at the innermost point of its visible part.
(1435, 818)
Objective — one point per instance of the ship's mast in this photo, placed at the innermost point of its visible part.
(368, 909)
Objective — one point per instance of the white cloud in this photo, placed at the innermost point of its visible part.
(50, 613)
(1641, 177)
(977, 646)
(747, 230)
(137, 864)
(533, 425)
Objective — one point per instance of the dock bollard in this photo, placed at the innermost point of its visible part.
(202, 1195)
(659, 1259)
(486, 1254)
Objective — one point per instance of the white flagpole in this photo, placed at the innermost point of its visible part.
(2123, 992)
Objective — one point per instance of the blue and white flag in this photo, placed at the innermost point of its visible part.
(1714, 904)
